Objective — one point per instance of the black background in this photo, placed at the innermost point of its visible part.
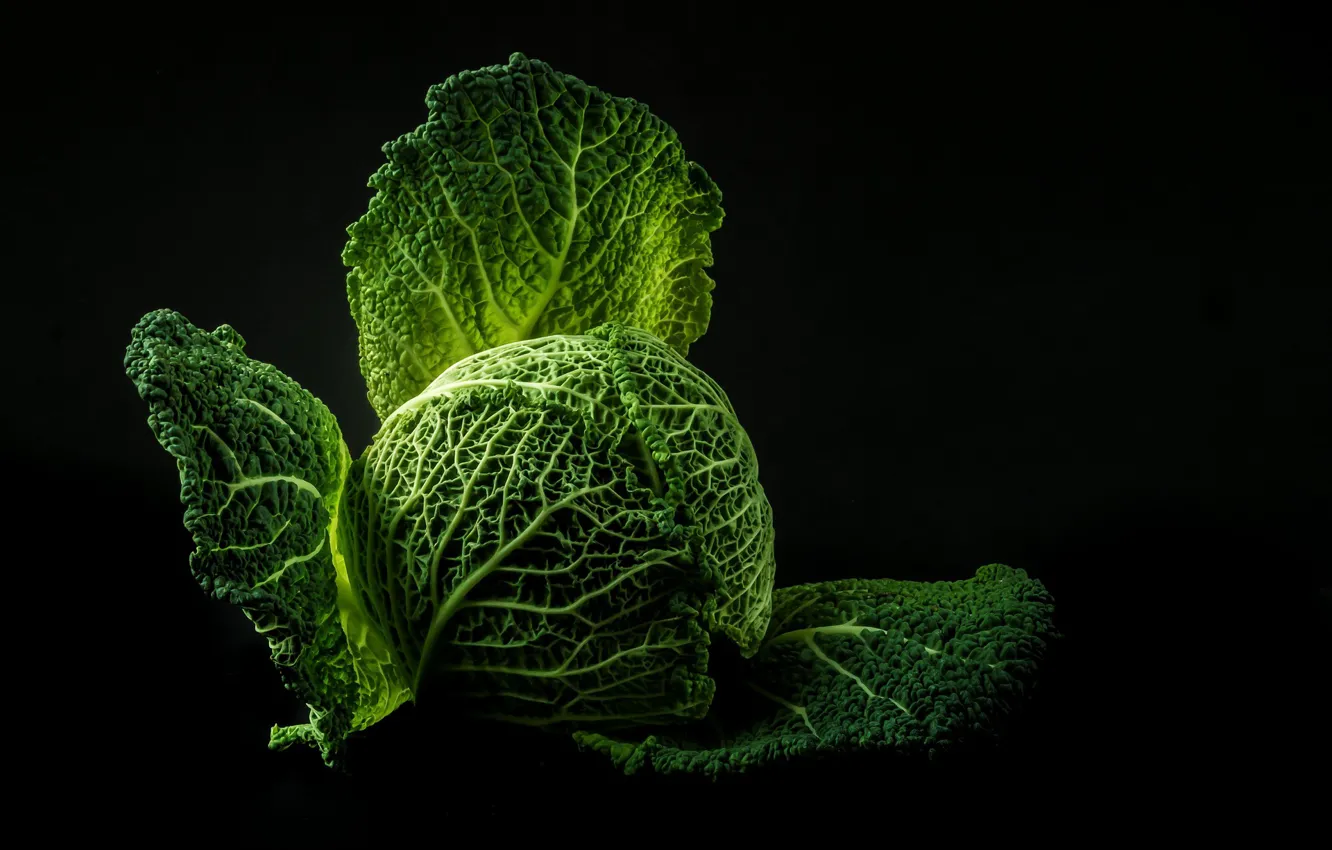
(1037, 288)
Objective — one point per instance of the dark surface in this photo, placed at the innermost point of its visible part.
(1046, 291)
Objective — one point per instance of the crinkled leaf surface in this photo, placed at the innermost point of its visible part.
(870, 664)
(262, 464)
(528, 204)
(553, 529)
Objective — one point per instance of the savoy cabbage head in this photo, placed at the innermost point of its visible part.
(560, 516)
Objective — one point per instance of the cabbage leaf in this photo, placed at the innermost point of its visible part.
(528, 204)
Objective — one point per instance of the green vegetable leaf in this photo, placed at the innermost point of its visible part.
(528, 204)
(866, 664)
(555, 530)
(261, 464)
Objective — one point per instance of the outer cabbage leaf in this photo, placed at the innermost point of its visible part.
(262, 464)
(552, 530)
(864, 664)
(528, 204)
